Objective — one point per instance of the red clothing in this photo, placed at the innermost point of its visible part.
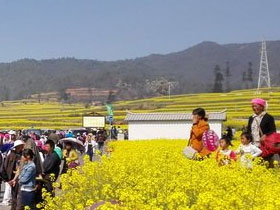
(224, 157)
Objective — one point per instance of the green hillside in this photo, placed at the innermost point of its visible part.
(24, 114)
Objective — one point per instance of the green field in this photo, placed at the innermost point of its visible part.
(27, 113)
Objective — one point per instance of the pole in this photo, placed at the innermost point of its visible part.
(169, 89)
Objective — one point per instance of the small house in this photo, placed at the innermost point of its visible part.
(168, 125)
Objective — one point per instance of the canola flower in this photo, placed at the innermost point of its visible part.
(154, 175)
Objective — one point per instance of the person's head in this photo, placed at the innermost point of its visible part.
(225, 142)
(246, 138)
(68, 146)
(49, 146)
(199, 113)
(19, 145)
(27, 155)
(90, 135)
(258, 105)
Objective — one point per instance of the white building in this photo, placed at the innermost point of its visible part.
(168, 125)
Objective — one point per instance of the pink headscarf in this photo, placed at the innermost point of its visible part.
(259, 101)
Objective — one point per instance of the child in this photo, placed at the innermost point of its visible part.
(225, 155)
(247, 148)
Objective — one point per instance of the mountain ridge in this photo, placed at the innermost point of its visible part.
(192, 70)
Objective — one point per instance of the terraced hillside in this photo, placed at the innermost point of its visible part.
(23, 114)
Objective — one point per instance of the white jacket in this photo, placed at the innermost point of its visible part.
(94, 146)
(249, 149)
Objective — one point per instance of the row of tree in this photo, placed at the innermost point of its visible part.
(222, 79)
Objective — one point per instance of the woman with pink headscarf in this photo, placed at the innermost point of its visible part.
(261, 123)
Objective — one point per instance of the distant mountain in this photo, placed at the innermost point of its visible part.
(191, 70)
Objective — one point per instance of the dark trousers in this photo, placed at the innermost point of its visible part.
(28, 199)
(90, 154)
(14, 192)
(100, 146)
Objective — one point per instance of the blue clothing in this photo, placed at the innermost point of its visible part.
(6, 147)
(27, 177)
(69, 135)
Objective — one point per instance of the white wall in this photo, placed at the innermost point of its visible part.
(165, 129)
(216, 126)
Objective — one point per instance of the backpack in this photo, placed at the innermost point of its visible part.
(271, 145)
(210, 140)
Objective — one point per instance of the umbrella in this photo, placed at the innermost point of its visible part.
(75, 142)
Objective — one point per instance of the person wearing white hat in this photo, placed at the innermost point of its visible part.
(10, 167)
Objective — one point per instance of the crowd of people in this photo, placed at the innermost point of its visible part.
(29, 161)
(253, 138)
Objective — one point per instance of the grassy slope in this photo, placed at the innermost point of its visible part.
(19, 114)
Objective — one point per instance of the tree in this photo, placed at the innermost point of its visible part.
(63, 95)
(219, 78)
(228, 75)
(250, 72)
(159, 86)
(4, 93)
(247, 77)
(111, 97)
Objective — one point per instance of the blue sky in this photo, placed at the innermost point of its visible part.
(120, 29)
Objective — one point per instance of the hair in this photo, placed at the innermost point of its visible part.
(68, 143)
(247, 136)
(227, 140)
(200, 112)
(51, 143)
(28, 152)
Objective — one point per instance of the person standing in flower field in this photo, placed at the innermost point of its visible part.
(100, 139)
(11, 167)
(26, 180)
(260, 125)
(70, 157)
(247, 148)
(51, 165)
(200, 125)
(90, 146)
(224, 155)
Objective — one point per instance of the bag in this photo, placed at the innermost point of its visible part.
(189, 152)
(271, 145)
(210, 140)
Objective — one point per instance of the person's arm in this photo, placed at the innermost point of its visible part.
(270, 125)
(249, 129)
(256, 151)
(64, 155)
(237, 152)
(217, 155)
(198, 130)
(72, 156)
(26, 175)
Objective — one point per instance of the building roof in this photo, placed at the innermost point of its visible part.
(165, 116)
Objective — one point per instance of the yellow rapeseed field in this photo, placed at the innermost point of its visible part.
(154, 175)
